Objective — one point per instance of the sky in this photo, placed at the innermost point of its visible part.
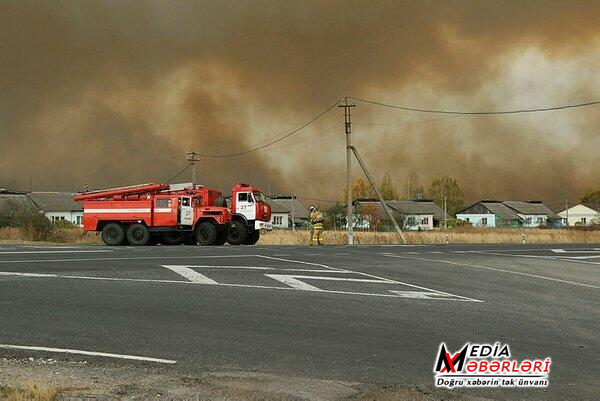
(114, 93)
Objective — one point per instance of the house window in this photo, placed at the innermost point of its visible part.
(484, 221)
(425, 221)
(410, 221)
(468, 220)
(584, 220)
(79, 220)
(278, 220)
(528, 220)
(539, 220)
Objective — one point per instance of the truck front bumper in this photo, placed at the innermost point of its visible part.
(263, 225)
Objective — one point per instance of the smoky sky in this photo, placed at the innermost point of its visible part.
(114, 92)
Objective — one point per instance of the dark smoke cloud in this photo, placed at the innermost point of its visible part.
(114, 93)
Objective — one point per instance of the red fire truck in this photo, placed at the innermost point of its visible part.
(173, 214)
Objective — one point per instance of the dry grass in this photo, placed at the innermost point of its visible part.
(467, 235)
(61, 236)
(463, 235)
(34, 391)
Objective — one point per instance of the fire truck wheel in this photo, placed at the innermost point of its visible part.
(138, 234)
(113, 234)
(206, 233)
(237, 233)
(252, 237)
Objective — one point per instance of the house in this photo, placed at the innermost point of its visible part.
(58, 206)
(13, 200)
(284, 209)
(582, 214)
(419, 214)
(495, 213)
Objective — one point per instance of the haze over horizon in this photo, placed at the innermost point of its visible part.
(113, 93)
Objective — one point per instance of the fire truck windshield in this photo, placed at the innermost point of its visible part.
(259, 197)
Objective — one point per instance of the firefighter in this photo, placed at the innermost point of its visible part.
(316, 231)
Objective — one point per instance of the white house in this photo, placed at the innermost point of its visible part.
(421, 214)
(58, 206)
(494, 213)
(282, 210)
(582, 214)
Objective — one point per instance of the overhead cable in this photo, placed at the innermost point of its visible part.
(281, 138)
(438, 111)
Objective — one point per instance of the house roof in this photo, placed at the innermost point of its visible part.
(593, 206)
(501, 210)
(531, 207)
(54, 201)
(405, 207)
(12, 201)
(284, 205)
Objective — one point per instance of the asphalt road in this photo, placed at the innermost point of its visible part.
(372, 314)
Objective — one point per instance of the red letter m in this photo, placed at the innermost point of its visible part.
(450, 362)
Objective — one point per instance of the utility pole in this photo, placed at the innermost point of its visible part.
(192, 158)
(293, 225)
(445, 213)
(567, 211)
(348, 130)
(385, 206)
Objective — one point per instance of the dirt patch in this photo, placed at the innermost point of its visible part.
(53, 379)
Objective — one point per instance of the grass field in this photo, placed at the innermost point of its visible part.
(463, 235)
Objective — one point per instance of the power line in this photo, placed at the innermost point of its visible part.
(281, 138)
(412, 122)
(518, 111)
(179, 173)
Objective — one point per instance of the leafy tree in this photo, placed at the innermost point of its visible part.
(361, 189)
(387, 188)
(447, 186)
(371, 214)
(591, 195)
(335, 217)
(415, 192)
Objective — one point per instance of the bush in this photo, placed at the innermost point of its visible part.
(34, 225)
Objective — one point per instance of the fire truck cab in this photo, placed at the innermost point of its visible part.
(250, 213)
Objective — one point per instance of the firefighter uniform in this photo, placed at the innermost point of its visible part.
(316, 232)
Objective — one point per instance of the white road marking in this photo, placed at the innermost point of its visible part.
(116, 279)
(494, 269)
(89, 353)
(210, 267)
(191, 275)
(297, 261)
(595, 250)
(124, 258)
(293, 282)
(49, 252)
(421, 295)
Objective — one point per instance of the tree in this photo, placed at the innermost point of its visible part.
(415, 192)
(335, 217)
(371, 214)
(447, 187)
(591, 195)
(361, 189)
(387, 189)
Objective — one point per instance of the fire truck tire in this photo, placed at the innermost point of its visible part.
(113, 234)
(221, 237)
(237, 233)
(252, 237)
(138, 234)
(173, 238)
(206, 233)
